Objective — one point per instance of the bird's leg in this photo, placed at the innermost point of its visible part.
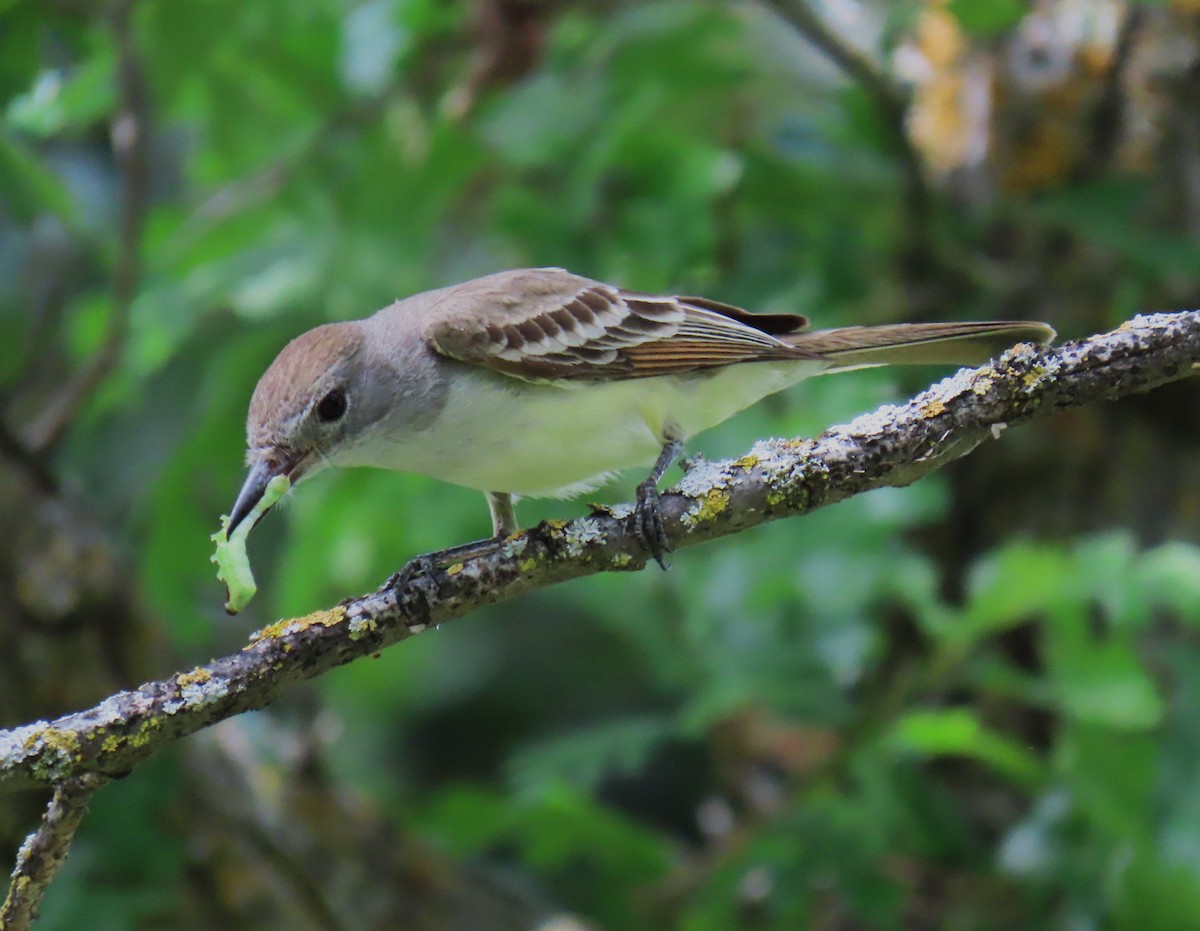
(647, 516)
(427, 563)
(504, 517)
(504, 524)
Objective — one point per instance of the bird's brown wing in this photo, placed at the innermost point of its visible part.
(547, 324)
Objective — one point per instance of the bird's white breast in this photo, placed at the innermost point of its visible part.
(496, 433)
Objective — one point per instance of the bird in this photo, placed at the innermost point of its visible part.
(540, 383)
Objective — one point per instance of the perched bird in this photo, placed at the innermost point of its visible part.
(541, 383)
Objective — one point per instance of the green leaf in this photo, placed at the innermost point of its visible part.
(1169, 575)
(73, 101)
(987, 17)
(29, 186)
(1100, 680)
(585, 755)
(1154, 895)
(1111, 778)
(1016, 584)
(1099, 213)
(1106, 568)
(958, 732)
(465, 819)
(596, 859)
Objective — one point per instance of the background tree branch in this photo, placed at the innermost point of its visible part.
(45, 850)
(892, 446)
(889, 97)
(131, 138)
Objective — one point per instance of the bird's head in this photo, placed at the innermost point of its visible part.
(308, 407)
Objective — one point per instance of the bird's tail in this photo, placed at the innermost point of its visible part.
(918, 343)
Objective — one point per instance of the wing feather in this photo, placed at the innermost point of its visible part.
(547, 324)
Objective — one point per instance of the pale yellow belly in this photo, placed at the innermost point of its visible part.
(501, 434)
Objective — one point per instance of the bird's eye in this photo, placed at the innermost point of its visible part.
(332, 406)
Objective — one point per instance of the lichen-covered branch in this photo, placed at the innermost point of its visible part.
(894, 445)
(45, 850)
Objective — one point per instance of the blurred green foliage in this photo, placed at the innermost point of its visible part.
(969, 704)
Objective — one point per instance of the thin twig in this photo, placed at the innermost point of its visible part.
(1107, 121)
(890, 99)
(15, 450)
(265, 184)
(131, 135)
(45, 850)
(854, 62)
(778, 478)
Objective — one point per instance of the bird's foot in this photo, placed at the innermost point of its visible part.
(648, 523)
(429, 563)
(414, 568)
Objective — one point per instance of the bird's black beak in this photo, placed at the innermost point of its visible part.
(253, 489)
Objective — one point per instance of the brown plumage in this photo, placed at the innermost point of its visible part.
(540, 382)
(547, 324)
(298, 373)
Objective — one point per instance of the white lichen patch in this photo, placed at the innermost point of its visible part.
(25, 851)
(196, 695)
(20, 742)
(703, 477)
(514, 546)
(1022, 353)
(1045, 370)
(116, 708)
(845, 441)
(1153, 321)
(974, 381)
(775, 458)
(772, 450)
(581, 533)
(51, 748)
(874, 423)
(997, 429)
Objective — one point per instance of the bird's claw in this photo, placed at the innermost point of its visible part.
(417, 566)
(648, 523)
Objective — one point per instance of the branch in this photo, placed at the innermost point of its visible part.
(14, 449)
(1107, 121)
(895, 445)
(890, 99)
(45, 850)
(131, 143)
